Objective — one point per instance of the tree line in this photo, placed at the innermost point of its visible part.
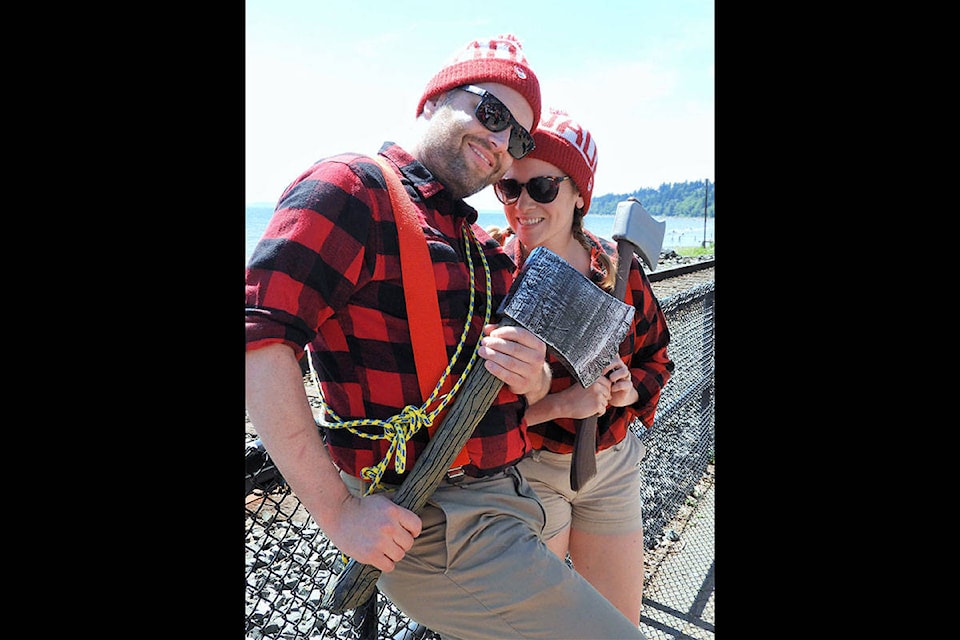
(669, 199)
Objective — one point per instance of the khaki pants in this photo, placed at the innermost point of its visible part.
(479, 570)
(610, 503)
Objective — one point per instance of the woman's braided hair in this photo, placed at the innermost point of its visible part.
(608, 262)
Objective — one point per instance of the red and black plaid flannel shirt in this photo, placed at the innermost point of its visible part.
(644, 350)
(327, 273)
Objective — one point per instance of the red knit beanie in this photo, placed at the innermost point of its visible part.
(498, 60)
(563, 142)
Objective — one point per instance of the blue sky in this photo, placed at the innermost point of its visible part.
(327, 77)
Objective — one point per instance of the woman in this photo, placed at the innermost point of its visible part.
(545, 196)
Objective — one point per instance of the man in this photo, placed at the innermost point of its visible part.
(326, 277)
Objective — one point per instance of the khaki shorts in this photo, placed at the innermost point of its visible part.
(480, 570)
(609, 503)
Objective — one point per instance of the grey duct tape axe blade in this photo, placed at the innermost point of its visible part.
(632, 224)
(635, 230)
(582, 326)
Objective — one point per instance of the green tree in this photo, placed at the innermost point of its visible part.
(668, 200)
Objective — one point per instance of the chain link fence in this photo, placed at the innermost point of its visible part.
(678, 468)
(289, 562)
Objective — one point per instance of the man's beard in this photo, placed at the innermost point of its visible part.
(441, 152)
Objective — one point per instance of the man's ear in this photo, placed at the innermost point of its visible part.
(432, 104)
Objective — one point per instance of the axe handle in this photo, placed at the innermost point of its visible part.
(583, 464)
(358, 581)
(624, 259)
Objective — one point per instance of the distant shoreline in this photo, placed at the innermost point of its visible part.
(267, 205)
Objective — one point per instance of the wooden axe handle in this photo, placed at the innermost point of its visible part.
(624, 259)
(583, 464)
(358, 581)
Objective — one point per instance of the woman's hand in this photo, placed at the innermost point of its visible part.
(622, 391)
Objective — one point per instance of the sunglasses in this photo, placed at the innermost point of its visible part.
(495, 116)
(543, 189)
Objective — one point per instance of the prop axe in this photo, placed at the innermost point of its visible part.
(635, 230)
(582, 326)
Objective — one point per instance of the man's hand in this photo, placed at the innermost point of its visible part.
(373, 530)
(518, 358)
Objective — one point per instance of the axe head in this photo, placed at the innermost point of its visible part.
(581, 323)
(633, 224)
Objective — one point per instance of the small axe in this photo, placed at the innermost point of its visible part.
(634, 230)
(582, 326)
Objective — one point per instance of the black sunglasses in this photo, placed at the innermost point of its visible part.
(495, 116)
(543, 189)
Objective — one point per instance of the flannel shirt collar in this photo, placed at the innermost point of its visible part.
(429, 190)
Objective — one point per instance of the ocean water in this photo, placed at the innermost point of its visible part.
(680, 231)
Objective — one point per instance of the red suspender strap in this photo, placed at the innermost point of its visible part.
(420, 292)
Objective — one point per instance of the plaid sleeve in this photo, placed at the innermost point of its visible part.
(311, 258)
(650, 365)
